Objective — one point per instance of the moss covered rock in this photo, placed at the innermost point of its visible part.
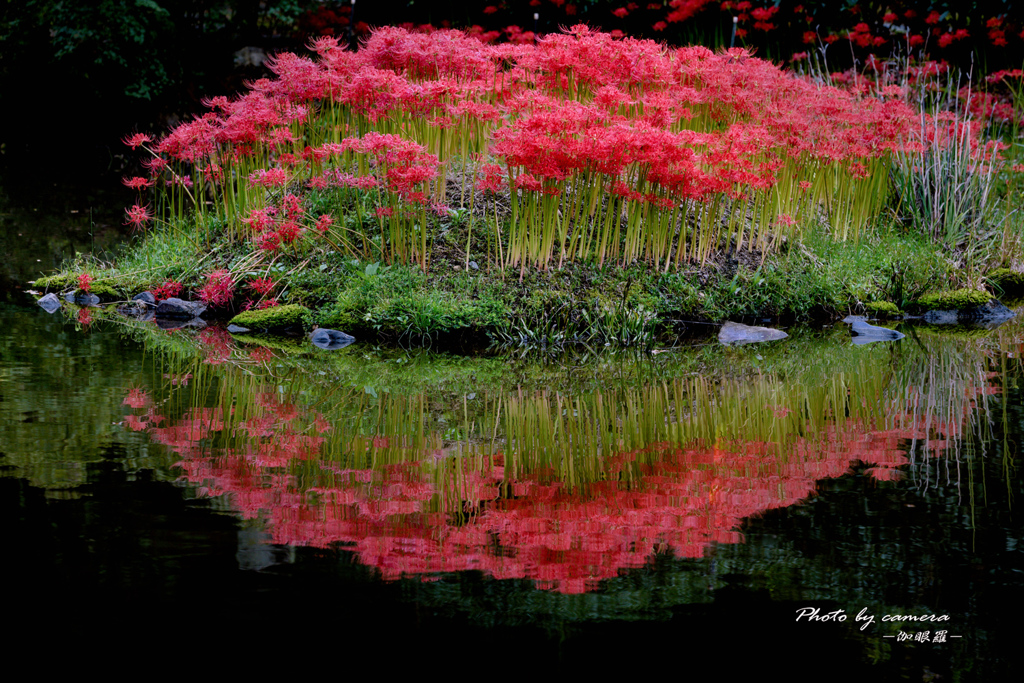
(882, 309)
(105, 292)
(956, 300)
(277, 317)
(57, 283)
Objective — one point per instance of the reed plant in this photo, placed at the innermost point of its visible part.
(945, 182)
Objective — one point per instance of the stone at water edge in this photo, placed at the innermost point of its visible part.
(864, 333)
(330, 339)
(146, 298)
(178, 309)
(738, 333)
(50, 302)
(238, 329)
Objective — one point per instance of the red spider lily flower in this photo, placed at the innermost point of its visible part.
(85, 282)
(490, 9)
(213, 173)
(621, 12)
(137, 140)
(324, 224)
(889, 17)
(269, 303)
(259, 220)
(289, 231)
(275, 177)
(156, 165)
(323, 44)
(219, 288)
(932, 18)
(269, 241)
(292, 206)
(659, 26)
(169, 289)
(138, 216)
(137, 183)
(261, 286)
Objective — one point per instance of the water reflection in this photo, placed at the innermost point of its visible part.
(677, 490)
(567, 485)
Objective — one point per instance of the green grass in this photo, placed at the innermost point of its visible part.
(636, 305)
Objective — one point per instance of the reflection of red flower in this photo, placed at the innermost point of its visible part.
(673, 499)
(262, 355)
(137, 398)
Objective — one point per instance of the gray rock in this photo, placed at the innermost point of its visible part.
(50, 302)
(179, 310)
(82, 298)
(473, 265)
(145, 298)
(990, 315)
(330, 339)
(864, 333)
(237, 329)
(737, 333)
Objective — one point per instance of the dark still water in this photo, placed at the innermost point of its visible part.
(629, 513)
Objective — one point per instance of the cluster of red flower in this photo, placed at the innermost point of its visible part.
(609, 148)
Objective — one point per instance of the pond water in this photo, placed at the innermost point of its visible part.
(585, 513)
